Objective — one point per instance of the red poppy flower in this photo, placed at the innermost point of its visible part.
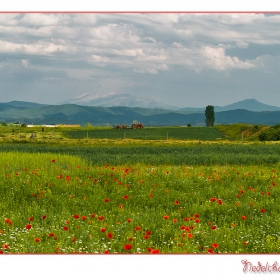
(197, 220)
(220, 201)
(149, 249)
(148, 232)
(37, 239)
(165, 217)
(155, 251)
(92, 215)
(31, 219)
(103, 229)
(74, 239)
(214, 227)
(190, 235)
(137, 228)
(262, 210)
(109, 235)
(215, 245)
(106, 252)
(129, 220)
(182, 227)
(65, 228)
(76, 216)
(186, 219)
(196, 215)
(150, 195)
(100, 218)
(67, 178)
(177, 202)
(244, 217)
(44, 217)
(1, 252)
(130, 238)
(28, 226)
(127, 247)
(210, 251)
(84, 218)
(51, 234)
(212, 199)
(146, 236)
(175, 221)
(67, 222)
(125, 197)
(106, 199)
(5, 246)
(53, 160)
(245, 243)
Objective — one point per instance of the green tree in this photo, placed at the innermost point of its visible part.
(210, 116)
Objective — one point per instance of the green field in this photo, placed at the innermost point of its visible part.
(67, 195)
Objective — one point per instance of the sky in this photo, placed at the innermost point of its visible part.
(183, 59)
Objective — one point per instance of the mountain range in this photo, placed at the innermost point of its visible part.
(246, 111)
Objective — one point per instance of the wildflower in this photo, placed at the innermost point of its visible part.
(8, 221)
(262, 210)
(190, 235)
(150, 195)
(84, 218)
(67, 222)
(165, 217)
(109, 235)
(245, 243)
(214, 227)
(155, 251)
(137, 228)
(130, 238)
(129, 220)
(186, 219)
(1, 252)
(177, 202)
(76, 216)
(28, 226)
(51, 234)
(100, 218)
(146, 236)
(220, 201)
(103, 229)
(127, 247)
(44, 217)
(174, 220)
(196, 215)
(197, 220)
(92, 215)
(53, 160)
(125, 197)
(106, 252)
(106, 199)
(243, 217)
(149, 249)
(210, 251)
(31, 219)
(5, 246)
(65, 228)
(215, 245)
(74, 239)
(37, 239)
(148, 232)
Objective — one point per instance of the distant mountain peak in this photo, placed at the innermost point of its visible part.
(118, 99)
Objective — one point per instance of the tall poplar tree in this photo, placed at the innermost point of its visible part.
(209, 116)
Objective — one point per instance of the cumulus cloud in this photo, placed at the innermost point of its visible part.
(135, 45)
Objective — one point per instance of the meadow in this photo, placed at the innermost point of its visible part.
(146, 196)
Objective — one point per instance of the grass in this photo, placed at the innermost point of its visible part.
(60, 204)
